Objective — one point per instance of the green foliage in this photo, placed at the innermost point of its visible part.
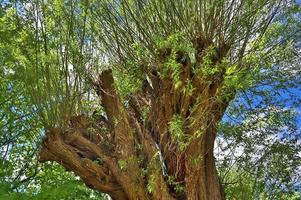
(128, 81)
(265, 164)
(122, 164)
(178, 136)
(47, 57)
(208, 69)
(126, 164)
(45, 186)
(178, 187)
(145, 113)
(175, 43)
(188, 89)
(196, 160)
(33, 97)
(176, 127)
(244, 186)
(171, 66)
(151, 184)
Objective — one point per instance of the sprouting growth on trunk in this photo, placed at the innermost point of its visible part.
(172, 68)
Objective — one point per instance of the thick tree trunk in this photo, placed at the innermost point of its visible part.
(78, 154)
(133, 157)
(201, 178)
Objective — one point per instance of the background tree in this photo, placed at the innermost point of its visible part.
(131, 93)
(21, 131)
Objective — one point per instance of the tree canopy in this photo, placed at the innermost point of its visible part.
(199, 99)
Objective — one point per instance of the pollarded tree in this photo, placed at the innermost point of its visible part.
(164, 72)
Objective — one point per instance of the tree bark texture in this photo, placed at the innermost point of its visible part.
(133, 156)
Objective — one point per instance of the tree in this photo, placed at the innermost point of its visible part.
(164, 72)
